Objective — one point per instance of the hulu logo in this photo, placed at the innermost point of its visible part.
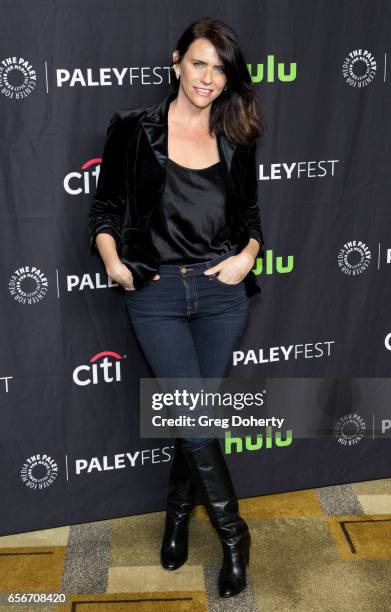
(266, 264)
(269, 71)
(268, 440)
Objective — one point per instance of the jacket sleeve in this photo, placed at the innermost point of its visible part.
(109, 199)
(252, 214)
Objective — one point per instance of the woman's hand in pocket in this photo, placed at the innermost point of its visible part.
(233, 269)
(121, 274)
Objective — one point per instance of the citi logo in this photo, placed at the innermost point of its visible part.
(82, 181)
(266, 440)
(271, 265)
(103, 367)
(272, 71)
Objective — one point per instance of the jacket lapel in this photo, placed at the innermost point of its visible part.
(155, 126)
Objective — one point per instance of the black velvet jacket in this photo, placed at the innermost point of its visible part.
(131, 182)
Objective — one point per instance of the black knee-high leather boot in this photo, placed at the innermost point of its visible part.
(211, 475)
(180, 503)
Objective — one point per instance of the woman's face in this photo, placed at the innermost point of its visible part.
(201, 71)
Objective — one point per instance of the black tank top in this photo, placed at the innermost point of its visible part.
(190, 224)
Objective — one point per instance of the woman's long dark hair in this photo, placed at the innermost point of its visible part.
(237, 111)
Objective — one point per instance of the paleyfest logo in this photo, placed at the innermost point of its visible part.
(17, 78)
(28, 285)
(359, 68)
(354, 257)
(39, 472)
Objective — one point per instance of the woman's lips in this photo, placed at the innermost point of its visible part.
(203, 92)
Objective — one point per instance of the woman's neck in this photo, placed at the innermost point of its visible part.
(184, 112)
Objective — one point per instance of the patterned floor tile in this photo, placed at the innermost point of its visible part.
(366, 537)
(30, 569)
(373, 487)
(155, 578)
(294, 503)
(44, 537)
(375, 504)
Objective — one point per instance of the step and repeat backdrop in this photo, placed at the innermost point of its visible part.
(319, 334)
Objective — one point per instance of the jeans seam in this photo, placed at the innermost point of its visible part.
(195, 291)
(188, 308)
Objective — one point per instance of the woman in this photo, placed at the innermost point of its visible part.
(176, 222)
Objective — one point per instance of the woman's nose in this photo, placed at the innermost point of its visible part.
(207, 76)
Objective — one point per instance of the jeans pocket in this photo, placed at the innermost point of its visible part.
(220, 282)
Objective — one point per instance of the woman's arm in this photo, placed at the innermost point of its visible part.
(254, 247)
(109, 204)
(107, 248)
(109, 200)
(251, 250)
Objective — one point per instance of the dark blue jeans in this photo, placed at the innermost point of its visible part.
(188, 324)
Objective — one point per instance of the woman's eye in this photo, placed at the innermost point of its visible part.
(220, 69)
